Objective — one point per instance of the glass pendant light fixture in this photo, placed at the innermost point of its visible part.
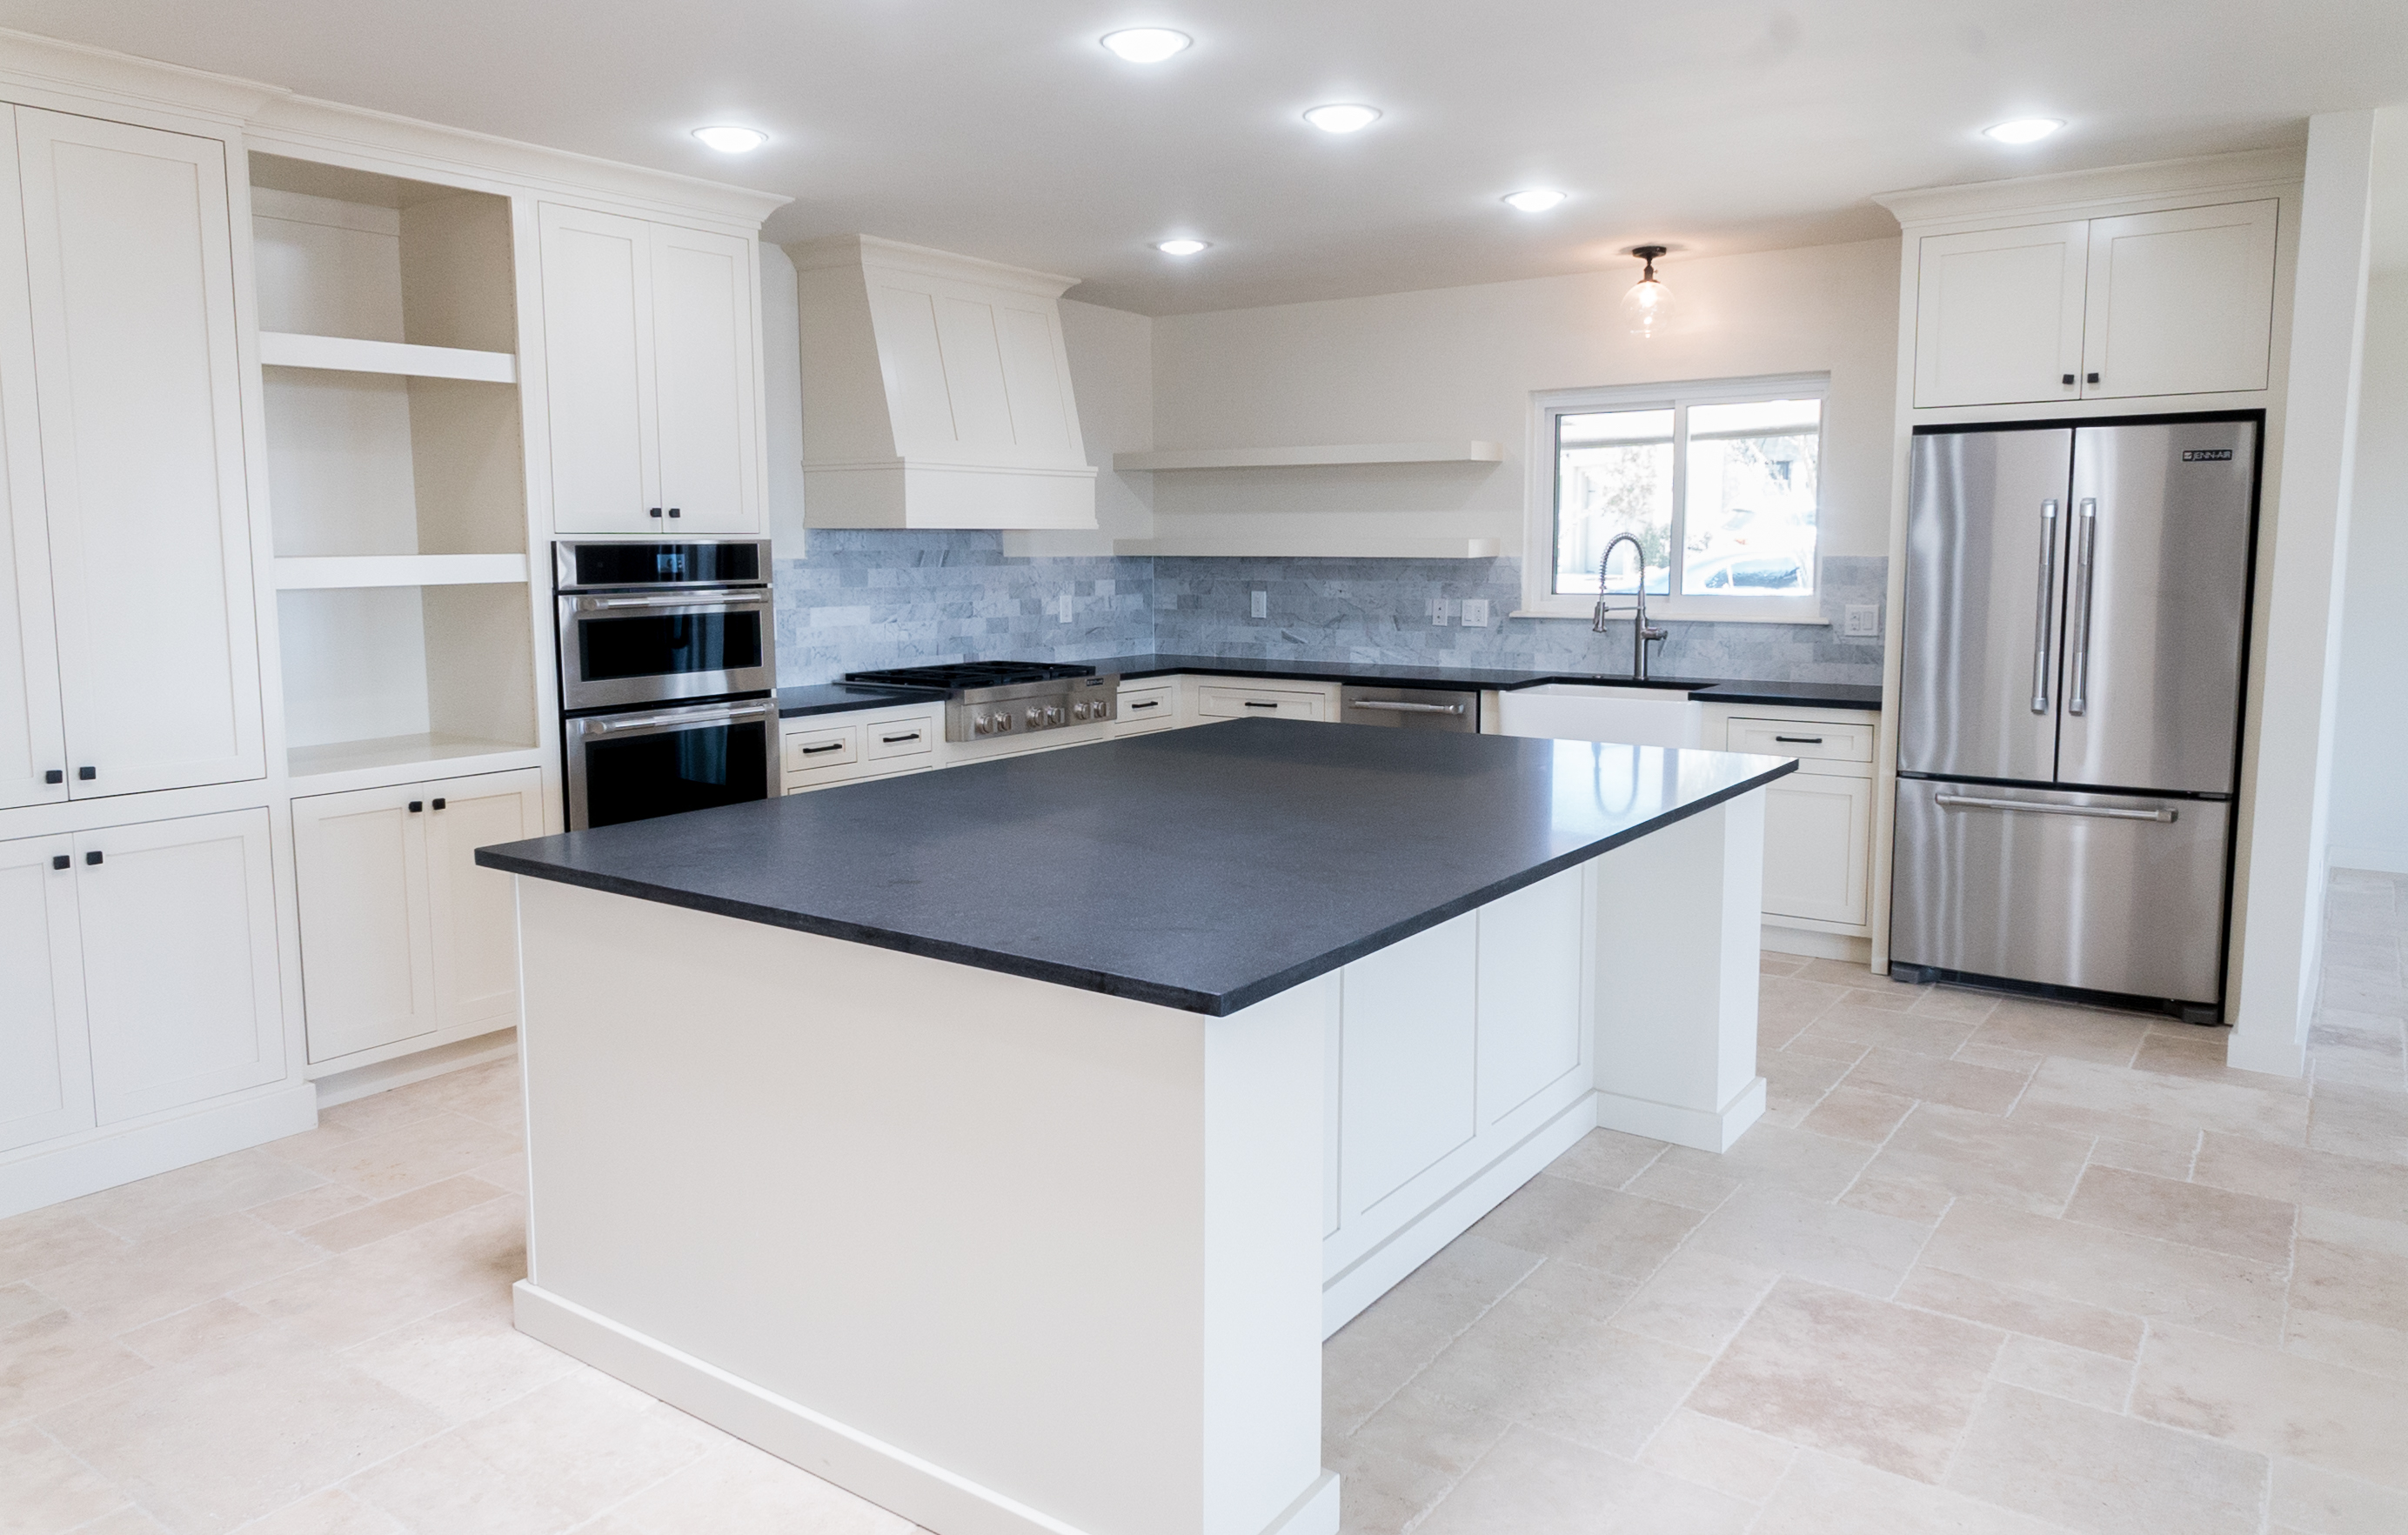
(1649, 302)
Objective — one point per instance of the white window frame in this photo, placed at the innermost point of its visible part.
(1538, 599)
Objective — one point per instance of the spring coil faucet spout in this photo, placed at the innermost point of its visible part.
(1640, 633)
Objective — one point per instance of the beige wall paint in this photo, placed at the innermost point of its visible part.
(1462, 362)
(2370, 816)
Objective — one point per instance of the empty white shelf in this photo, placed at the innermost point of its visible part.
(426, 747)
(345, 354)
(399, 570)
(1292, 457)
(1314, 546)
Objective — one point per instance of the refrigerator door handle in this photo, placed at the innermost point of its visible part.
(2085, 568)
(2044, 606)
(2097, 812)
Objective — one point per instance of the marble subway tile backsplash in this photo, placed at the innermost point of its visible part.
(862, 600)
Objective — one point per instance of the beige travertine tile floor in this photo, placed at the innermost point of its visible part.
(1988, 1266)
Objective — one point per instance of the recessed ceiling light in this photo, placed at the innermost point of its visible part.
(728, 139)
(1147, 45)
(2024, 130)
(1342, 116)
(1534, 199)
(1182, 247)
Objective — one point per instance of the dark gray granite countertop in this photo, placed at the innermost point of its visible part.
(837, 697)
(1202, 869)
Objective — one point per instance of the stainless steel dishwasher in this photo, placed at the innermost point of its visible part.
(1410, 708)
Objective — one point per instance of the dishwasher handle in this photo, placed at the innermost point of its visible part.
(1456, 709)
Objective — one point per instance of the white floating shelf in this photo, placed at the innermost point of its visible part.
(1296, 458)
(345, 354)
(1314, 546)
(399, 570)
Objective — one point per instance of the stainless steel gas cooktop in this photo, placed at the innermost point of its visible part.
(987, 699)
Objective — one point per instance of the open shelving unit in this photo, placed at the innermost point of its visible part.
(1311, 546)
(1334, 456)
(397, 469)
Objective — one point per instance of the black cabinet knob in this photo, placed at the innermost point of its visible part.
(417, 805)
(87, 774)
(60, 862)
(439, 804)
(92, 857)
(656, 511)
(54, 776)
(2069, 377)
(2094, 378)
(674, 512)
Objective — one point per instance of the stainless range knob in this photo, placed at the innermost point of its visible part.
(1077, 711)
(1035, 716)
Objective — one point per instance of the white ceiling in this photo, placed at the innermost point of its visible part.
(1003, 130)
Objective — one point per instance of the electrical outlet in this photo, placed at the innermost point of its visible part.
(1438, 611)
(1862, 622)
(1066, 607)
(1475, 613)
(1262, 604)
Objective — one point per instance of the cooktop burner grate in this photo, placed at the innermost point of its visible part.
(959, 675)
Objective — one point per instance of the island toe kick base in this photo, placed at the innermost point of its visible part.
(1008, 1257)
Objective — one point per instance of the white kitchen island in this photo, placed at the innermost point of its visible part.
(1001, 1143)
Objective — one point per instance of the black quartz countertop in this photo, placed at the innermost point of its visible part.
(1202, 869)
(837, 697)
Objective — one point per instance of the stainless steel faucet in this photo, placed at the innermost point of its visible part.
(1640, 633)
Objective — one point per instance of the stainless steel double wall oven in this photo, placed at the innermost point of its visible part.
(667, 676)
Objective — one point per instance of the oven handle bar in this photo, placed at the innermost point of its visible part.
(710, 715)
(713, 598)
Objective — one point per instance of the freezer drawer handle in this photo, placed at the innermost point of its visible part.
(2097, 812)
(1403, 709)
(2044, 606)
(2086, 566)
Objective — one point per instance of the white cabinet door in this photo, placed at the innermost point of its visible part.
(1531, 1030)
(45, 1069)
(1240, 702)
(598, 370)
(474, 911)
(1817, 830)
(368, 952)
(1408, 1062)
(1999, 315)
(704, 376)
(130, 267)
(33, 740)
(179, 926)
(2180, 303)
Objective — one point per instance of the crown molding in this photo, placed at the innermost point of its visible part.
(46, 63)
(2077, 191)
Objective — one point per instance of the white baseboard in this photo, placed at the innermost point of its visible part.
(893, 1478)
(112, 1158)
(1693, 1128)
(1344, 1295)
(1817, 946)
(359, 1081)
(2372, 861)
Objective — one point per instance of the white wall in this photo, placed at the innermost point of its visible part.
(1111, 379)
(2370, 813)
(1461, 363)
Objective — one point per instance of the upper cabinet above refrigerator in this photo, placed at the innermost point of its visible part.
(2167, 302)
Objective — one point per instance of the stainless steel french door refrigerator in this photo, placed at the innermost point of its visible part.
(2074, 630)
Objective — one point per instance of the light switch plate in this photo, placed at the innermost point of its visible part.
(1438, 611)
(1262, 604)
(1862, 622)
(1475, 613)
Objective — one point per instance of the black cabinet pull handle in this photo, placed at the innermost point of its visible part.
(2069, 377)
(889, 740)
(814, 751)
(1801, 740)
(439, 804)
(87, 774)
(417, 805)
(54, 776)
(1256, 703)
(1149, 703)
(61, 861)
(2094, 378)
(91, 857)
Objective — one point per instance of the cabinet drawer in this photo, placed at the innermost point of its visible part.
(1148, 709)
(813, 751)
(1816, 741)
(1246, 702)
(893, 738)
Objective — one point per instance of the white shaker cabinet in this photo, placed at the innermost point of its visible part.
(1817, 820)
(177, 923)
(45, 1067)
(402, 935)
(32, 733)
(130, 277)
(2144, 305)
(650, 375)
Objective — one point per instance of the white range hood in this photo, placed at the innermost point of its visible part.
(936, 391)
